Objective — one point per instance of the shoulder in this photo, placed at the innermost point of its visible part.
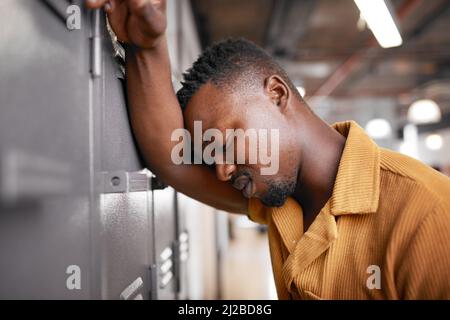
(414, 179)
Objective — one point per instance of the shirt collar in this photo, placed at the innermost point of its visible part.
(357, 185)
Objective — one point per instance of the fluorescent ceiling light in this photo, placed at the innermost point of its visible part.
(434, 142)
(380, 21)
(424, 111)
(378, 128)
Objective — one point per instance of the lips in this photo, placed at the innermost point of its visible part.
(245, 185)
(241, 182)
(248, 191)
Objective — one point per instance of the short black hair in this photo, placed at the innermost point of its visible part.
(222, 62)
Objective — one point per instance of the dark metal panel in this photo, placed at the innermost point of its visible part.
(119, 150)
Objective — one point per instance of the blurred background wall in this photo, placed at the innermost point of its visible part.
(384, 64)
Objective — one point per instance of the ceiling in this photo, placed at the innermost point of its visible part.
(326, 49)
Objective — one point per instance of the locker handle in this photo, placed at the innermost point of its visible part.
(96, 43)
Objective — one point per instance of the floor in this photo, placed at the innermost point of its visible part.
(247, 271)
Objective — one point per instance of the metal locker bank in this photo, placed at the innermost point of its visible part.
(230, 150)
(80, 215)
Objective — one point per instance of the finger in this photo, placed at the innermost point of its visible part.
(144, 9)
(147, 12)
(95, 4)
(136, 5)
(161, 4)
(118, 19)
(111, 5)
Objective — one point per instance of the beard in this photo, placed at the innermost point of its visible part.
(278, 192)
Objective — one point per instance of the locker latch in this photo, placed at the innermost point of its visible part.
(123, 181)
(166, 267)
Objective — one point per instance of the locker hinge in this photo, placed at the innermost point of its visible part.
(96, 44)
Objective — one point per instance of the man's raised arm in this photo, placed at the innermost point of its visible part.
(154, 109)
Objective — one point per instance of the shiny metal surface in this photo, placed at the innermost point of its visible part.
(78, 218)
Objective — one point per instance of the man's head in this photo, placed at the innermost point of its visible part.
(236, 85)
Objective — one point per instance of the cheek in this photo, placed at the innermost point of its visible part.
(257, 147)
(289, 151)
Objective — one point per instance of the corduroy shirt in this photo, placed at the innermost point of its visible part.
(383, 234)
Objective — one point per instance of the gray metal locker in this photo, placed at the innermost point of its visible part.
(182, 250)
(73, 193)
(44, 153)
(75, 198)
(165, 254)
(125, 201)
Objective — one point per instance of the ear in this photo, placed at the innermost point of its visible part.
(277, 90)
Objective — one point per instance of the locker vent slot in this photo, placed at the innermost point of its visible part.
(132, 289)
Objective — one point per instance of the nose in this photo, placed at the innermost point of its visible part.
(224, 172)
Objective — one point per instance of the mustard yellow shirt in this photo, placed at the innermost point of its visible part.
(383, 234)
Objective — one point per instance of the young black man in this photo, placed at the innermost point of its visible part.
(346, 219)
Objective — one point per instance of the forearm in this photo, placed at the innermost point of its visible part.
(155, 113)
(154, 109)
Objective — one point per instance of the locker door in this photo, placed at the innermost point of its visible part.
(182, 245)
(44, 153)
(125, 201)
(164, 268)
(126, 254)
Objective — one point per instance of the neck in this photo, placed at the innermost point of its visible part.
(321, 148)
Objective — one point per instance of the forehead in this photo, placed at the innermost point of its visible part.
(214, 106)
